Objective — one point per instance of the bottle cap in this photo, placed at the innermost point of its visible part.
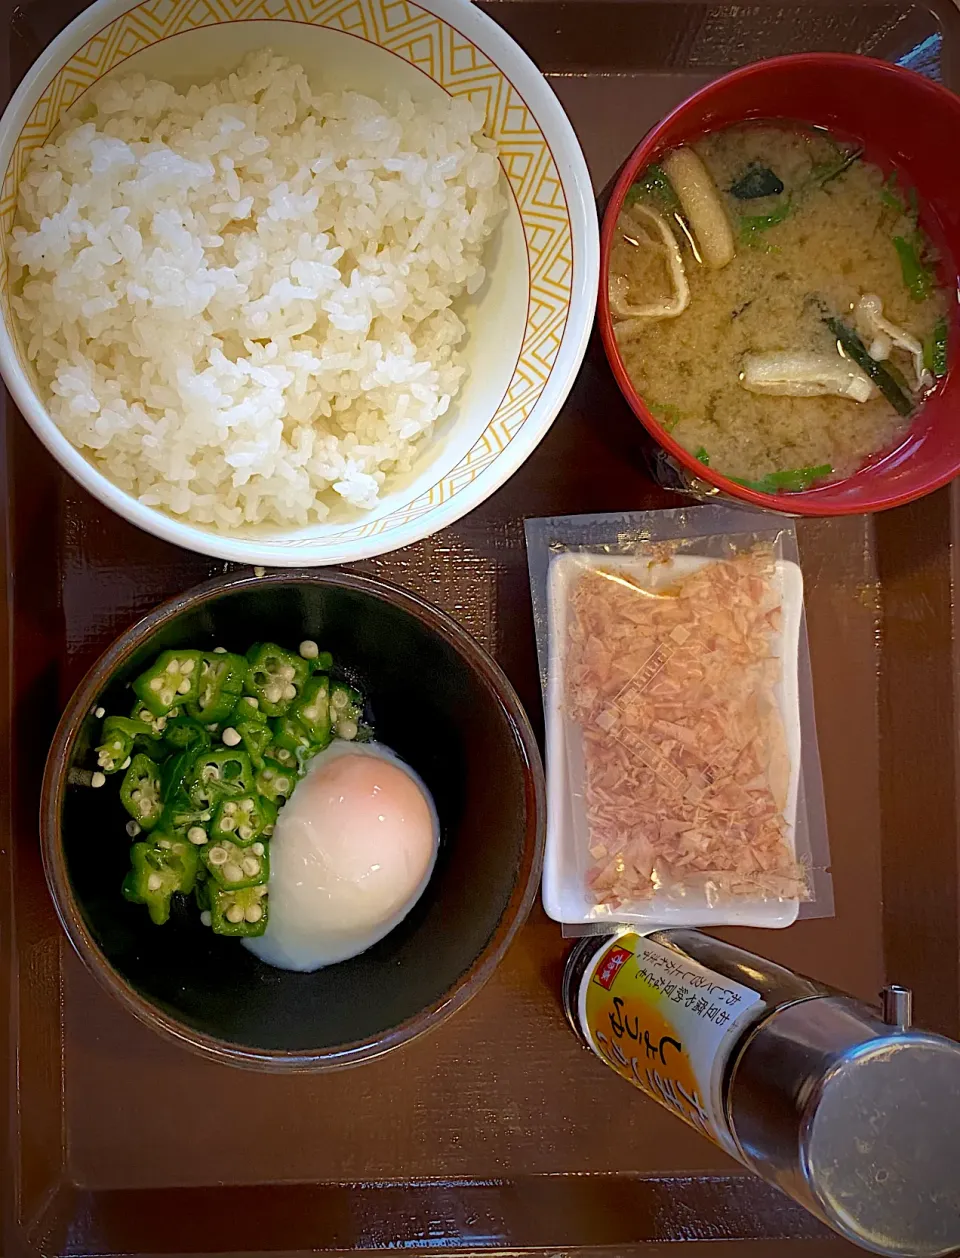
(857, 1118)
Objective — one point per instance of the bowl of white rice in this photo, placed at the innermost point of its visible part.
(291, 281)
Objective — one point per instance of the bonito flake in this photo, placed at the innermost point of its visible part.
(686, 766)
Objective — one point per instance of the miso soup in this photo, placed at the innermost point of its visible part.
(776, 303)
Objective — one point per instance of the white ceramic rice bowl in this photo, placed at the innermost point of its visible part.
(527, 327)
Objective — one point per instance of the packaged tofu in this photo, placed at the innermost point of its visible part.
(675, 738)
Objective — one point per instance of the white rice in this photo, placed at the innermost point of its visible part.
(240, 298)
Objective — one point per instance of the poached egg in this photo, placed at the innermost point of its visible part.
(351, 854)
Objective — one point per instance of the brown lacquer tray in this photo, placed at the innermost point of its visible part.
(498, 1132)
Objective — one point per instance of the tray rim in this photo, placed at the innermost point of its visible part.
(64, 1218)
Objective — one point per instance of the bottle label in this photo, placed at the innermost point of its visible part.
(666, 1024)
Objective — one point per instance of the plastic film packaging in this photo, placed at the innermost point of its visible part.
(683, 777)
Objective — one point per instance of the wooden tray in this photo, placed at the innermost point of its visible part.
(498, 1132)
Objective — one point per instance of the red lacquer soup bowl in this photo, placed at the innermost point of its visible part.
(904, 121)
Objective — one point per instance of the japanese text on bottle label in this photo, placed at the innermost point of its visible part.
(666, 1024)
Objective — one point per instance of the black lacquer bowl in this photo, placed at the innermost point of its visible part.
(441, 703)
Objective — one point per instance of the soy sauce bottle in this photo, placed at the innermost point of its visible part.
(847, 1108)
